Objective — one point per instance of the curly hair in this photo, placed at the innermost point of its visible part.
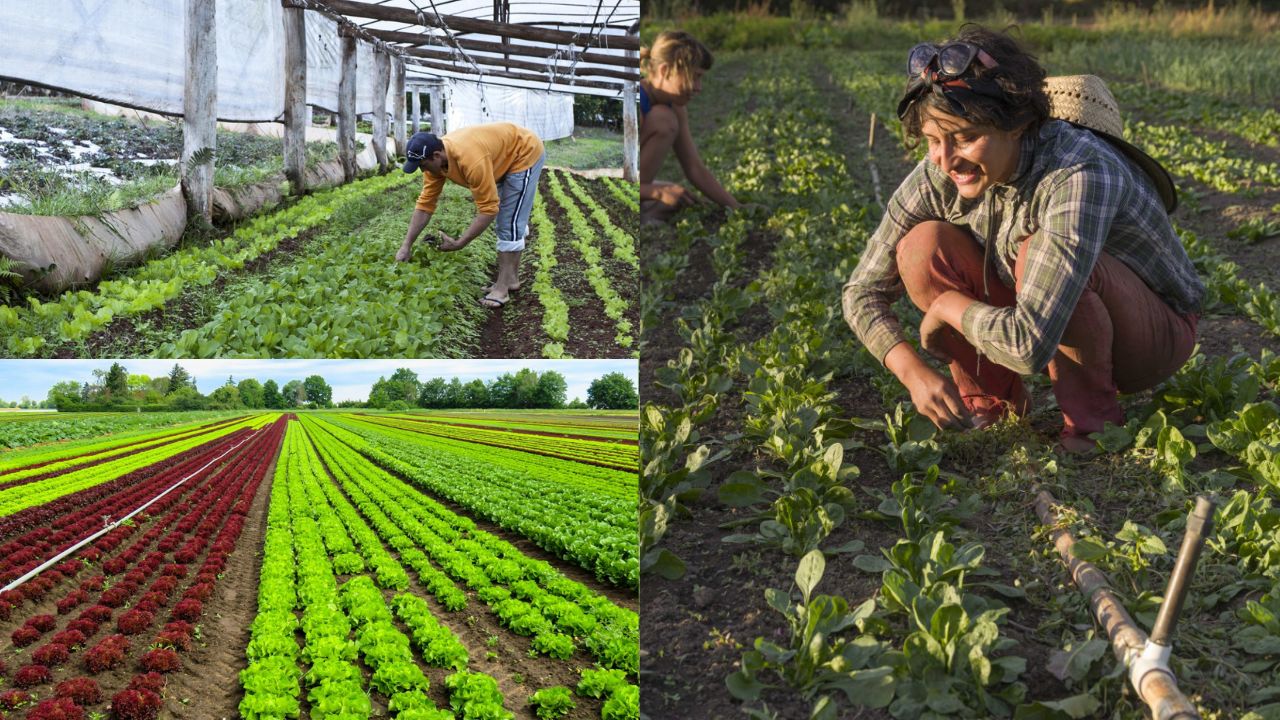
(1018, 74)
(682, 51)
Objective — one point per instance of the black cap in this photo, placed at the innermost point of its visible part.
(420, 145)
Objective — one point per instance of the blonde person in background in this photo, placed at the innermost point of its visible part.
(500, 164)
(672, 68)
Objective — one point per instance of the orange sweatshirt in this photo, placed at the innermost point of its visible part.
(479, 156)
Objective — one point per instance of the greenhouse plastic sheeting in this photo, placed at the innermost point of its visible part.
(324, 67)
(131, 52)
(548, 114)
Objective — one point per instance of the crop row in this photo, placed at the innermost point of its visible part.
(34, 535)
(203, 518)
(422, 308)
(626, 193)
(17, 498)
(583, 237)
(592, 452)
(555, 311)
(56, 461)
(528, 596)
(76, 314)
(592, 530)
(582, 431)
(592, 479)
(55, 427)
(623, 244)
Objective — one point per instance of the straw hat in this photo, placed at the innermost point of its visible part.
(1084, 100)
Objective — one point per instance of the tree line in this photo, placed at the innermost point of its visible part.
(116, 389)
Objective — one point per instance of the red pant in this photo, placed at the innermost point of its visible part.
(1121, 338)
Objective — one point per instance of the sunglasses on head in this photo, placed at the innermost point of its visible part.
(947, 61)
(956, 92)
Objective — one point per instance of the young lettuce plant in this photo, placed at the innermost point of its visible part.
(817, 660)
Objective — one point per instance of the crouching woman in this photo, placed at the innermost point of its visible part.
(1031, 244)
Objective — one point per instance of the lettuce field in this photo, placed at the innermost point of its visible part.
(317, 278)
(813, 549)
(323, 565)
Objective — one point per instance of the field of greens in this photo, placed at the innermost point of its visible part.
(325, 564)
(317, 278)
(811, 547)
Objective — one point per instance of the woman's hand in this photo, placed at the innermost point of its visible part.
(937, 398)
(673, 195)
(934, 395)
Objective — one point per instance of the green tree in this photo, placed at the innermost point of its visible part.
(502, 391)
(613, 391)
(271, 396)
(403, 385)
(319, 394)
(378, 397)
(293, 394)
(178, 379)
(251, 393)
(577, 404)
(65, 395)
(551, 390)
(455, 396)
(477, 394)
(116, 383)
(187, 398)
(433, 393)
(526, 389)
(226, 397)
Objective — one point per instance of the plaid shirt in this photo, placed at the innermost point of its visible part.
(1078, 196)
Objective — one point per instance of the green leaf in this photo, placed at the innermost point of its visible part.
(665, 563)
(1089, 550)
(812, 565)
(1071, 708)
(741, 489)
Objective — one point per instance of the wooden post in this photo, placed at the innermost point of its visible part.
(397, 117)
(437, 124)
(199, 109)
(347, 107)
(381, 75)
(630, 135)
(417, 109)
(296, 113)
(630, 129)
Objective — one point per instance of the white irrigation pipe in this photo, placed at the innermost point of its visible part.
(112, 526)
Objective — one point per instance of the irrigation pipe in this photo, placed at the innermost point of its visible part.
(1147, 660)
(112, 526)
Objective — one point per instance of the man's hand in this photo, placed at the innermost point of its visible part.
(405, 252)
(449, 244)
(937, 398)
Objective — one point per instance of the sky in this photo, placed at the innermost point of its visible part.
(350, 379)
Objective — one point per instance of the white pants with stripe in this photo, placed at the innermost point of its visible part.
(515, 202)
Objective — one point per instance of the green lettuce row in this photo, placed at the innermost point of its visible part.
(622, 456)
(558, 606)
(76, 314)
(627, 193)
(596, 532)
(590, 478)
(583, 238)
(555, 311)
(584, 429)
(624, 246)
(347, 298)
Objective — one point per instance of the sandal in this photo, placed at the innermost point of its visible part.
(499, 306)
